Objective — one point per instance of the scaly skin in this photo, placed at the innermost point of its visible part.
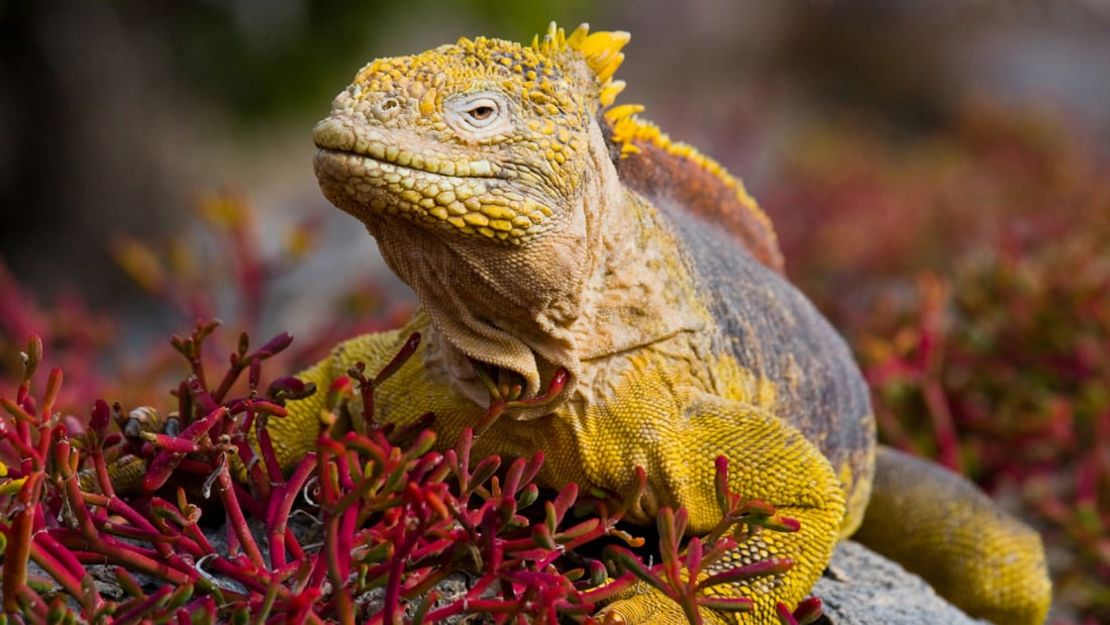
(543, 228)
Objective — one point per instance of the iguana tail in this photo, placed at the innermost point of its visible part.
(941, 527)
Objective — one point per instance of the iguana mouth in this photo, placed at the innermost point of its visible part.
(361, 169)
(339, 135)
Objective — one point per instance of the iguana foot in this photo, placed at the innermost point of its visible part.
(770, 461)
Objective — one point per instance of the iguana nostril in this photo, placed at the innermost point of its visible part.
(387, 107)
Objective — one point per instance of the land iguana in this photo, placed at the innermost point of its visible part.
(542, 227)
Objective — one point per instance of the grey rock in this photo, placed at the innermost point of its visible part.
(860, 587)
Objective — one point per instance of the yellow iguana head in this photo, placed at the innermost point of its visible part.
(482, 171)
(484, 137)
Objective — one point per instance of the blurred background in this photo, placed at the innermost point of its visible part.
(938, 173)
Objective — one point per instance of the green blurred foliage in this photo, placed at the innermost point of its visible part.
(259, 64)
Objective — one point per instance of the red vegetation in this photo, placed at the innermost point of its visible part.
(396, 519)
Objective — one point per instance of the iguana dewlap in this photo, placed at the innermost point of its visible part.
(541, 228)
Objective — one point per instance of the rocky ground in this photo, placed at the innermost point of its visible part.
(861, 587)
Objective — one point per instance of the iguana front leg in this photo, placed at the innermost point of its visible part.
(770, 460)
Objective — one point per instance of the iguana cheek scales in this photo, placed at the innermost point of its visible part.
(578, 236)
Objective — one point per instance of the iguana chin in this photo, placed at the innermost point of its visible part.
(542, 227)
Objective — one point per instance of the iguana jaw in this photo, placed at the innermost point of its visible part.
(375, 173)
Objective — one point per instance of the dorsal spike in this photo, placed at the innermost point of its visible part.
(579, 35)
(624, 111)
(610, 92)
(601, 52)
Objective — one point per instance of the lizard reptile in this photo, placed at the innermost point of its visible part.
(543, 227)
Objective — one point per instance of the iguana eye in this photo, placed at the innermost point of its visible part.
(478, 115)
(481, 112)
